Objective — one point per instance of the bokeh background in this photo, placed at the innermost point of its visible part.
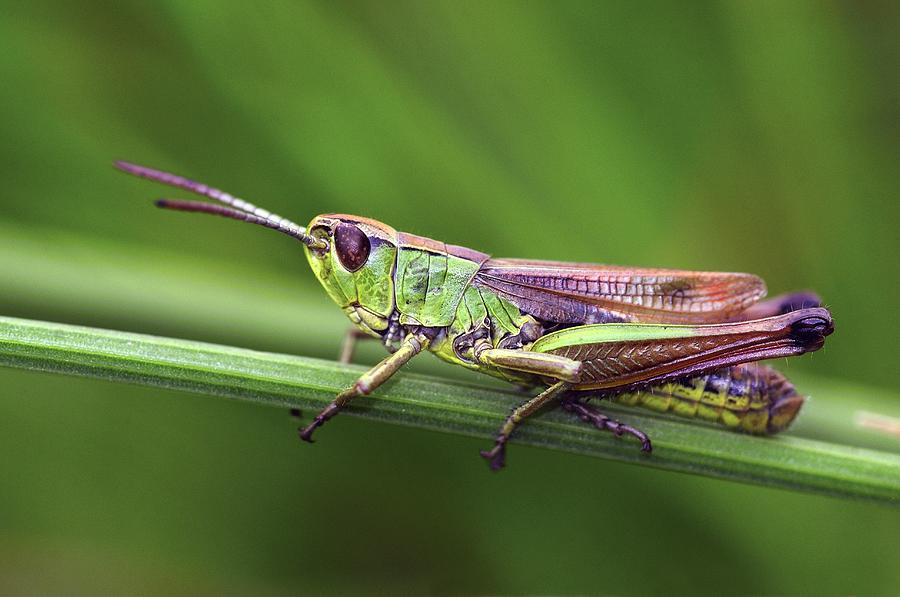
(750, 136)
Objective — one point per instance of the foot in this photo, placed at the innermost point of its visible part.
(328, 412)
(305, 433)
(496, 456)
(601, 421)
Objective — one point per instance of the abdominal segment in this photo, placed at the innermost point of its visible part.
(752, 398)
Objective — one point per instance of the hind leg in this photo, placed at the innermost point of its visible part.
(601, 421)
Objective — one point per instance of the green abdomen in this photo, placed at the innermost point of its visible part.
(752, 398)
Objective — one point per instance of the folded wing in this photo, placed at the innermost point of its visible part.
(588, 293)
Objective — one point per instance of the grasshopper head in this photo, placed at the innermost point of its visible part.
(356, 266)
(352, 257)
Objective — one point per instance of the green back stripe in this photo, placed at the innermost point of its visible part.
(612, 332)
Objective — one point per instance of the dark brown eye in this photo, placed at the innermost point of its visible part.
(352, 246)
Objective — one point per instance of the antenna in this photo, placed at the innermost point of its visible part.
(284, 226)
(242, 210)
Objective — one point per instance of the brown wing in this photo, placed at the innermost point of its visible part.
(588, 293)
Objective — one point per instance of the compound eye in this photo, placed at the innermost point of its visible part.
(352, 246)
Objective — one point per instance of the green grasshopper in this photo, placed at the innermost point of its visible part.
(671, 340)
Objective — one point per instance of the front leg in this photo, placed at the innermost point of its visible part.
(348, 346)
(371, 379)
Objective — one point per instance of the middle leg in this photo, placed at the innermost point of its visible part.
(496, 457)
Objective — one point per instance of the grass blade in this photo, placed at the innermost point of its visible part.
(454, 407)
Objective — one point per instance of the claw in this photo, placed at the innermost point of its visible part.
(496, 456)
(305, 434)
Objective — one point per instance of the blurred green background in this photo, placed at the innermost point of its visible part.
(749, 136)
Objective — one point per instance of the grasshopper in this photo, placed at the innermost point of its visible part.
(672, 340)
